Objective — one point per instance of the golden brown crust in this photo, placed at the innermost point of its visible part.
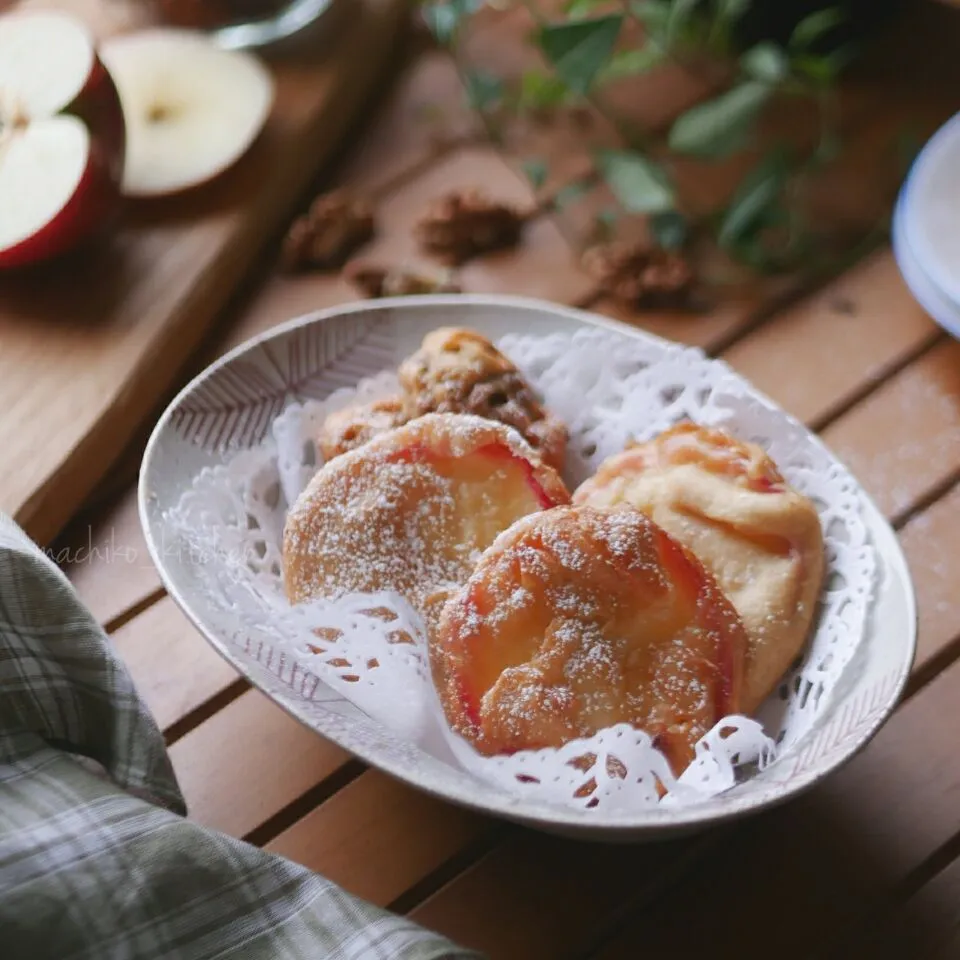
(352, 427)
(454, 371)
(726, 501)
(410, 511)
(459, 371)
(577, 619)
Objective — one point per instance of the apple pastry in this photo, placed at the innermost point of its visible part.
(411, 510)
(577, 619)
(354, 426)
(454, 371)
(727, 502)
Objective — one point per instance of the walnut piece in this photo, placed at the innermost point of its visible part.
(377, 281)
(454, 371)
(459, 371)
(334, 226)
(463, 223)
(638, 274)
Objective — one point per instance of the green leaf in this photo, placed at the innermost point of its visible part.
(579, 9)
(654, 15)
(628, 63)
(535, 170)
(580, 48)
(443, 19)
(729, 11)
(483, 89)
(757, 196)
(824, 69)
(816, 25)
(670, 229)
(719, 127)
(571, 192)
(604, 222)
(608, 216)
(828, 149)
(639, 184)
(765, 62)
(541, 90)
(680, 13)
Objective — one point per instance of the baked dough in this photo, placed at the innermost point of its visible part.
(727, 502)
(454, 371)
(577, 619)
(411, 510)
(459, 371)
(352, 427)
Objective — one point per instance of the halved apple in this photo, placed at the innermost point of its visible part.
(61, 137)
(192, 110)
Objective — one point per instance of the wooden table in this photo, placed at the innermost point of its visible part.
(864, 865)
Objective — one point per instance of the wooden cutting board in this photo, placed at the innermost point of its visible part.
(88, 347)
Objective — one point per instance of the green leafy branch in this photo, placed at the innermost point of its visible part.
(762, 223)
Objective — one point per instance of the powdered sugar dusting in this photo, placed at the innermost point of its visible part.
(609, 387)
(584, 627)
(386, 517)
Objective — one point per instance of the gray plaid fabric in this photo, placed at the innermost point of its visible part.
(96, 859)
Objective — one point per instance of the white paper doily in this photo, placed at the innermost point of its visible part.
(370, 649)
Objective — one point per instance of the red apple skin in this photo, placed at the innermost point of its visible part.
(93, 206)
(98, 106)
(481, 634)
(96, 203)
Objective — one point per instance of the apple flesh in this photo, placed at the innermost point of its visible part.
(62, 137)
(191, 109)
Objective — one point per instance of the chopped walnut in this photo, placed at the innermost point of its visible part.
(464, 223)
(334, 226)
(376, 281)
(459, 371)
(638, 274)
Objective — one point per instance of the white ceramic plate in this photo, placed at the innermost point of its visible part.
(930, 209)
(925, 291)
(864, 698)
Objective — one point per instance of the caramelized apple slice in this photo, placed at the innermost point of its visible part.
(412, 509)
(577, 619)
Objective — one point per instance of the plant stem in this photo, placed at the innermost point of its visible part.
(623, 129)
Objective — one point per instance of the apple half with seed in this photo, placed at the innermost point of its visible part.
(191, 109)
(61, 137)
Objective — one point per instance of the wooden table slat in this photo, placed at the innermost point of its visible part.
(904, 439)
(174, 668)
(846, 334)
(930, 543)
(542, 264)
(425, 110)
(926, 926)
(378, 838)
(107, 560)
(825, 857)
(248, 762)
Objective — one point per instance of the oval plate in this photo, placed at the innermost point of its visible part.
(862, 701)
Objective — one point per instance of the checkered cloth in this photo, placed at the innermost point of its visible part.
(96, 858)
